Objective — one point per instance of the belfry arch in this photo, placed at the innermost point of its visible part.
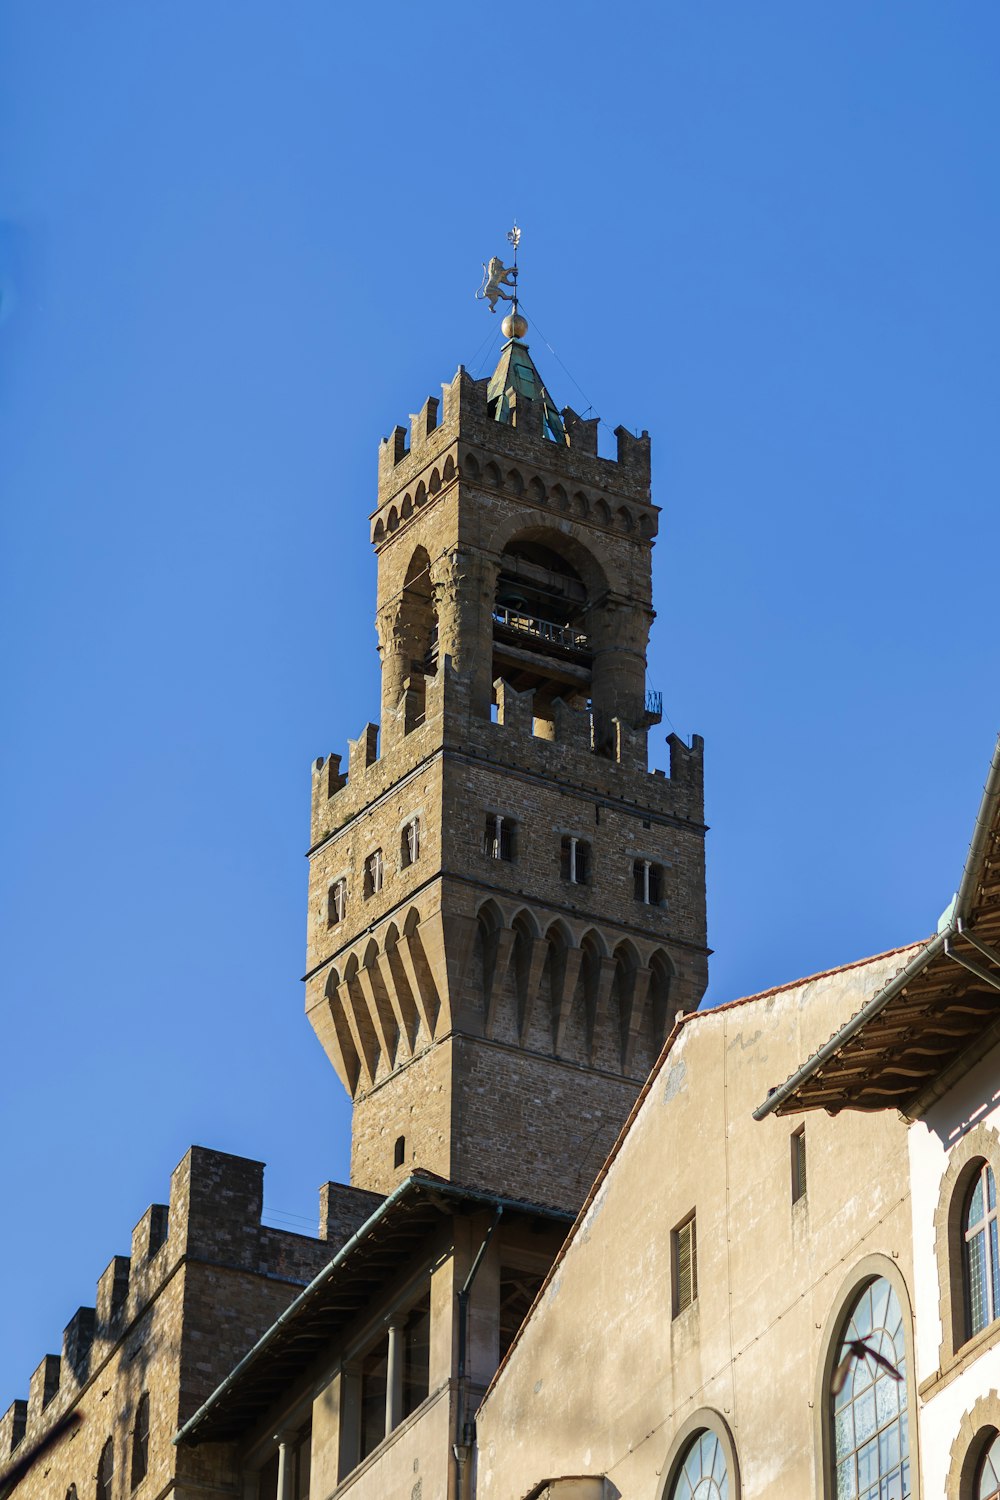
(409, 641)
(541, 610)
(480, 971)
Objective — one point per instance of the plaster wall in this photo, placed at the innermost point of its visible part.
(604, 1376)
(950, 1387)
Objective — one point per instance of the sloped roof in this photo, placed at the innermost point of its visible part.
(516, 372)
(936, 1016)
(395, 1233)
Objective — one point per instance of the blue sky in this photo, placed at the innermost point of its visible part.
(237, 244)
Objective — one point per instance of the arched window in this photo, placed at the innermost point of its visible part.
(868, 1405)
(988, 1478)
(981, 1252)
(140, 1441)
(106, 1471)
(704, 1473)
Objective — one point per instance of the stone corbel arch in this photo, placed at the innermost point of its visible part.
(976, 1431)
(982, 1142)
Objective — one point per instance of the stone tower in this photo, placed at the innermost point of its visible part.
(506, 908)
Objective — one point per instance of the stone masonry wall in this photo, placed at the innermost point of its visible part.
(205, 1279)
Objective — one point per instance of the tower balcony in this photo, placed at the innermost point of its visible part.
(529, 628)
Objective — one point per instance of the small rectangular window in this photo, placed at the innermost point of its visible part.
(373, 873)
(685, 1258)
(409, 851)
(336, 903)
(647, 882)
(498, 837)
(798, 1142)
(574, 860)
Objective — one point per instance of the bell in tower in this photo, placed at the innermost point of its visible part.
(507, 908)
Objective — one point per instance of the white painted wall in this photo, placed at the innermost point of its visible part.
(974, 1101)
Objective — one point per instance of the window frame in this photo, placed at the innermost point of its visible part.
(409, 842)
(374, 873)
(865, 1271)
(499, 837)
(799, 1164)
(575, 860)
(140, 1442)
(336, 910)
(686, 1230)
(981, 1143)
(991, 1253)
(104, 1485)
(706, 1419)
(648, 881)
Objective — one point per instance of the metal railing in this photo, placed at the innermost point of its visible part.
(654, 702)
(543, 630)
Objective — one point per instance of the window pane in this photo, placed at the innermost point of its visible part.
(869, 1424)
(703, 1474)
(975, 1262)
(989, 1473)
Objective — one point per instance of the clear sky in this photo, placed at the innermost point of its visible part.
(238, 242)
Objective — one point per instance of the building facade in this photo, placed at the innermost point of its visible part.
(589, 1248)
(504, 902)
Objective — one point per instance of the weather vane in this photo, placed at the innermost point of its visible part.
(495, 277)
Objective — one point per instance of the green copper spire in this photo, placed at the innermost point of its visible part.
(516, 372)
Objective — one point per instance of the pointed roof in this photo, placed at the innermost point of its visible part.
(516, 372)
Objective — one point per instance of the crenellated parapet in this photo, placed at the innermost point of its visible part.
(407, 461)
(574, 743)
(213, 1219)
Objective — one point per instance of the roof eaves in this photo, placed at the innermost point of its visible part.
(985, 825)
(418, 1181)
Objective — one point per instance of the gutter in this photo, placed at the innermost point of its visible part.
(186, 1434)
(951, 928)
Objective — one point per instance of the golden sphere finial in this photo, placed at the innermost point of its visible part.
(514, 326)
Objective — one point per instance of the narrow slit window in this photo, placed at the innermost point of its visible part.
(140, 1441)
(106, 1471)
(336, 903)
(798, 1143)
(399, 1151)
(409, 849)
(374, 871)
(685, 1265)
(498, 837)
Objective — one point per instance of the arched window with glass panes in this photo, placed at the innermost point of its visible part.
(980, 1251)
(987, 1486)
(703, 1473)
(868, 1409)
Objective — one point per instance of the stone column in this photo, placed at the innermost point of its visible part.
(286, 1464)
(394, 1377)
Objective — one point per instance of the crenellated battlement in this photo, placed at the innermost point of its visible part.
(574, 743)
(408, 462)
(214, 1218)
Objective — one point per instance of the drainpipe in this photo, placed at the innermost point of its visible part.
(463, 1424)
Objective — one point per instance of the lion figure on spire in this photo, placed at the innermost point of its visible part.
(495, 276)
